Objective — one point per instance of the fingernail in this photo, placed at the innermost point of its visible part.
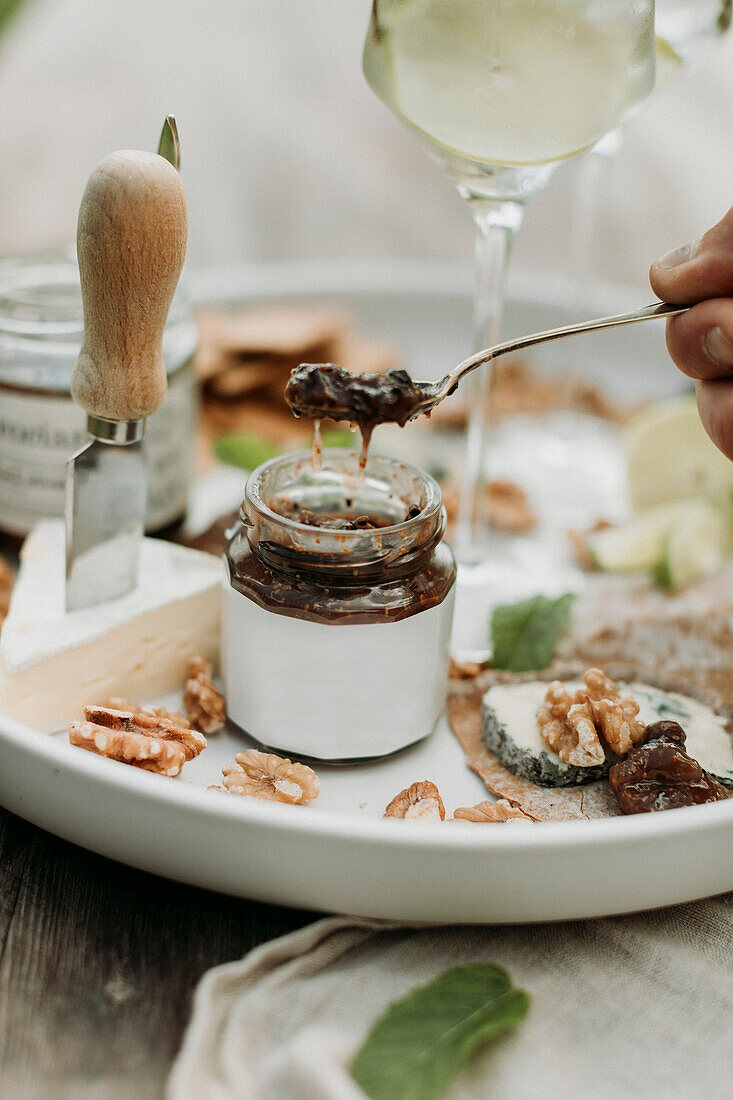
(678, 256)
(718, 348)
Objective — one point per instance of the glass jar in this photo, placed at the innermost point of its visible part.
(41, 324)
(338, 607)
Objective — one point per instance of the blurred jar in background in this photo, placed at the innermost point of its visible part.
(41, 324)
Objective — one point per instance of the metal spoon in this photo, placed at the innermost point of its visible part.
(422, 397)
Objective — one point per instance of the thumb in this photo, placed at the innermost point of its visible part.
(694, 272)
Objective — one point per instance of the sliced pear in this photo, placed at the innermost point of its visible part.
(639, 543)
(670, 457)
(697, 546)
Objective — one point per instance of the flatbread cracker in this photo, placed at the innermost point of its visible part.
(685, 652)
(540, 803)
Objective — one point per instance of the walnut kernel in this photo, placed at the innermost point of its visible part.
(419, 802)
(141, 739)
(203, 702)
(491, 812)
(274, 778)
(508, 508)
(581, 725)
(175, 716)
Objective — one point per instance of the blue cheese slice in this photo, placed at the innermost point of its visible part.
(53, 662)
(510, 729)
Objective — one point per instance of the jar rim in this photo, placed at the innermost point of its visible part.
(431, 509)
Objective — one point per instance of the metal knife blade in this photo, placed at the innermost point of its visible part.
(107, 488)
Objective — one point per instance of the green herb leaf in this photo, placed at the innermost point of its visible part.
(169, 145)
(524, 635)
(245, 450)
(421, 1041)
(660, 574)
(339, 437)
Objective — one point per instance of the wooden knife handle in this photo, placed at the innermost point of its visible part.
(131, 244)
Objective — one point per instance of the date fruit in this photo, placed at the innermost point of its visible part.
(659, 775)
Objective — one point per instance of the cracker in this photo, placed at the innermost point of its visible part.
(540, 803)
(684, 652)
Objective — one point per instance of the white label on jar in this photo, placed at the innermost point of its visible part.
(39, 433)
(334, 691)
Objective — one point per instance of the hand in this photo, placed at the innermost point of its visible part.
(701, 340)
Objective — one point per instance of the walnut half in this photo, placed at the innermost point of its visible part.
(581, 725)
(203, 702)
(491, 813)
(145, 740)
(265, 775)
(419, 802)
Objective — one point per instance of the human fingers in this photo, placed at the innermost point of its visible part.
(697, 271)
(715, 405)
(701, 341)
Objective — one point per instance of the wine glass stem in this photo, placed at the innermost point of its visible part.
(496, 222)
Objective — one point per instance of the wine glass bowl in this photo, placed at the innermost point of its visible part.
(509, 84)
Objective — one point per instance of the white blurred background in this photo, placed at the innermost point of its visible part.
(287, 153)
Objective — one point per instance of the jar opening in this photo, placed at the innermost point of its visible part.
(335, 524)
(392, 493)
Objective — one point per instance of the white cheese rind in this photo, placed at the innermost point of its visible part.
(38, 624)
(511, 731)
(53, 663)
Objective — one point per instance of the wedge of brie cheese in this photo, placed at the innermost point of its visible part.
(52, 663)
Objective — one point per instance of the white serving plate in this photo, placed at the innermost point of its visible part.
(338, 854)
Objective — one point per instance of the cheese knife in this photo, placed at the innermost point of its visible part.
(131, 244)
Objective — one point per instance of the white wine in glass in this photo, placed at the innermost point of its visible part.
(502, 92)
(510, 82)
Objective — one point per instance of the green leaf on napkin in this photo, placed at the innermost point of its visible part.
(419, 1044)
(524, 635)
(245, 450)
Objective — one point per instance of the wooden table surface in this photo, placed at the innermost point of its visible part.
(98, 963)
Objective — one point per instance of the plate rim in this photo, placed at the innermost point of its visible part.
(330, 824)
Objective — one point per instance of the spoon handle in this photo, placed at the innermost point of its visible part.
(658, 309)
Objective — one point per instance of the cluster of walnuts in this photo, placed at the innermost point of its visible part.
(581, 725)
(422, 802)
(153, 738)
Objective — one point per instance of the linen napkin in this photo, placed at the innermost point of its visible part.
(637, 1006)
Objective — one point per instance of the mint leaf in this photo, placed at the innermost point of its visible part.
(524, 635)
(660, 574)
(339, 437)
(418, 1045)
(245, 450)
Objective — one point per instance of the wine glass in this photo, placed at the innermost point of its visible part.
(502, 92)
